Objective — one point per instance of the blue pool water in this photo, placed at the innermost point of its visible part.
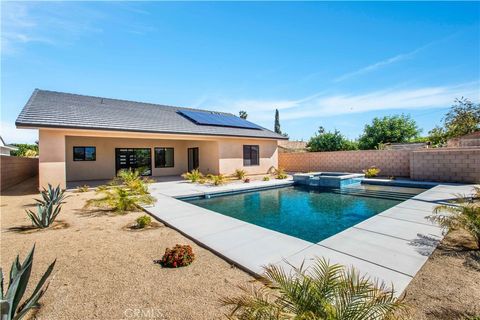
(306, 213)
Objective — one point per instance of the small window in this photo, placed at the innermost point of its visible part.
(251, 155)
(84, 153)
(164, 158)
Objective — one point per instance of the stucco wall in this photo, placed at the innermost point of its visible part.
(446, 165)
(16, 169)
(57, 166)
(231, 155)
(104, 165)
(391, 162)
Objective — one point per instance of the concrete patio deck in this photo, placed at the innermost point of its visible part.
(390, 247)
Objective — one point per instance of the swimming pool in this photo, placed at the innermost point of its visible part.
(311, 214)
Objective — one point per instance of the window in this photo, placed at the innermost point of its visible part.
(84, 153)
(251, 156)
(164, 158)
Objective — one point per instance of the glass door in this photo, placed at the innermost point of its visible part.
(193, 162)
(134, 158)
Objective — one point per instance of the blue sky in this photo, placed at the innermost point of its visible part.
(336, 65)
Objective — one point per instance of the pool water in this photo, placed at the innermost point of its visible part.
(311, 214)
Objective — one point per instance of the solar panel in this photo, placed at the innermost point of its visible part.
(218, 119)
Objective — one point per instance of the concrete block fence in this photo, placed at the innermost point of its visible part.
(443, 165)
(16, 169)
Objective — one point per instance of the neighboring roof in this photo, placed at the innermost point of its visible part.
(66, 110)
(6, 146)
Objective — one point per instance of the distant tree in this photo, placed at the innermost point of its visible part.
(243, 114)
(462, 118)
(330, 141)
(25, 150)
(389, 129)
(277, 122)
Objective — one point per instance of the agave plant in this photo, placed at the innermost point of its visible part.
(11, 309)
(463, 213)
(217, 180)
(52, 195)
(193, 176)
(121, 199)
(240, 174)
(45, 215)
(325, 292)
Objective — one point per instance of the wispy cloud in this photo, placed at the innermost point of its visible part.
(383, 63)
(324, 105)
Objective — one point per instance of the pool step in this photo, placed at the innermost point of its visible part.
(392, 195)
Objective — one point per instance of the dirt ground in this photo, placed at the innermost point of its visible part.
(448, 285)
(105, 271)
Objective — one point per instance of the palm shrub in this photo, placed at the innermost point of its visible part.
(326, 292)
(217, 180)
(19, 276)
(193, 176)
(132, 179)
(240, 174)
(371, 172)
(280, 173)
(464, 213)
(121, 199)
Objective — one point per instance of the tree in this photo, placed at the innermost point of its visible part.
(25, 150)
(243, 114)
(462, 118)
(389, 129)
(330, 141)
(277, 122)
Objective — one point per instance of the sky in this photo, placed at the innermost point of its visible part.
(336, 65)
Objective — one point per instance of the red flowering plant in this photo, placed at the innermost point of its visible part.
(178, 256)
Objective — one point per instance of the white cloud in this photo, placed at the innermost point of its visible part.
(324, 105)
(11, 134)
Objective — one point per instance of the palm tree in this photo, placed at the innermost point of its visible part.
(325, 292)
(463, 213)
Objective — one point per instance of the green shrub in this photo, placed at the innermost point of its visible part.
(11, 309)
(178, 256)
(121, 199)
(280, 173)
(371, 172)
(330, 141)
(217, 180)
(143, 221)
(193, 176)
(83, 188)
(323, 292)
(266, 178)
(464, 213)
(240, 174)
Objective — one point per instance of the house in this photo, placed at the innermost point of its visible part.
(5, 148)
(471, 140)
(91, 138)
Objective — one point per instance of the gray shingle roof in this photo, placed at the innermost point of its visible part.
(66, 110)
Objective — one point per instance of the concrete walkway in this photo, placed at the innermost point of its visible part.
(390, 247)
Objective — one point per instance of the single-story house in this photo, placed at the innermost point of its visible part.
(91, 138)
(6, 148)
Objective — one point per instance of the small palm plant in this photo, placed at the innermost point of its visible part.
(193, 176)
(463, 213)
(11, 309)
(280, 174)
(121, 199)
(240, 174)
(325, 292)
(48, 207)
(217, 180)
